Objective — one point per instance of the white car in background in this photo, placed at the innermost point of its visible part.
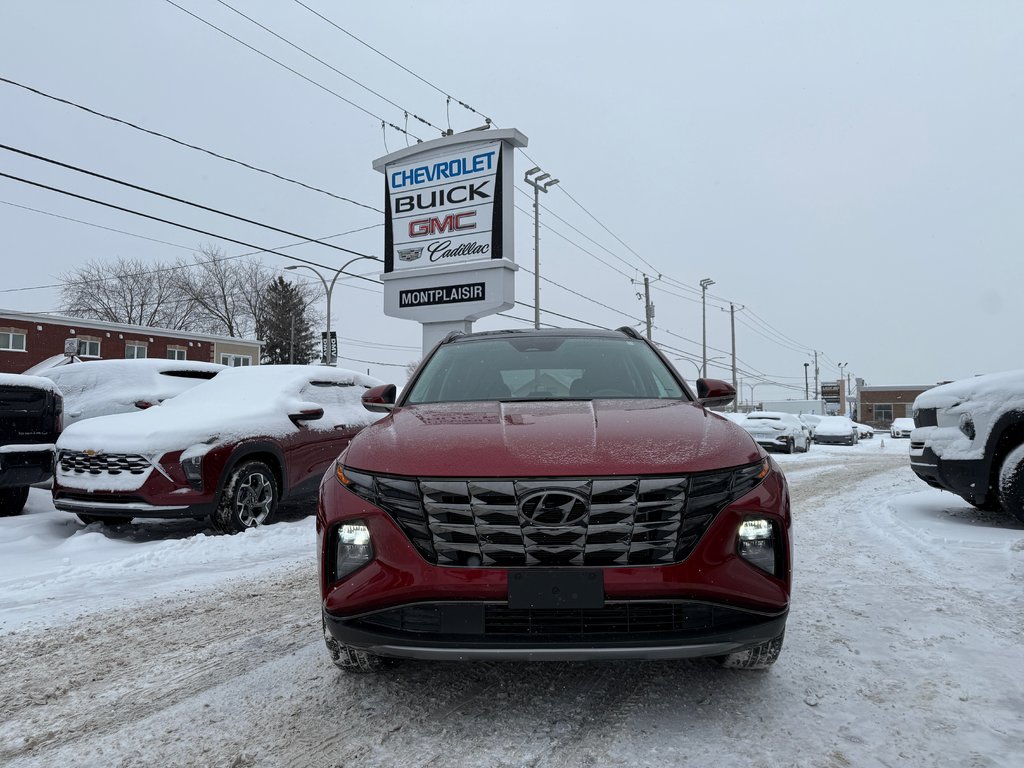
(102, 387)
(865, 431)
(836, 430)
(901, 427)
(811, 420)
(781, 431)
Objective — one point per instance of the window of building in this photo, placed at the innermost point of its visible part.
(12, 340)
(883, 412)
(235, 360)
(88, 347)
(134, 350)
(177, 353)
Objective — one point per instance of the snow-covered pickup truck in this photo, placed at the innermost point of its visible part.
(969, 439)
(31, 411)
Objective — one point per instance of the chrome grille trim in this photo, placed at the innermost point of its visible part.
(103, 463)
(481, 523)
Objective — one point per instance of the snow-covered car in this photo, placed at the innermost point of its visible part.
(30, 420)
(864, 431)
(781, 431)
(901, 427)
(102, 387)
(230, 449)
(969, 439)
(836, 430)
(811, 420)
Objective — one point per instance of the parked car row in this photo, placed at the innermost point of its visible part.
(224, 443)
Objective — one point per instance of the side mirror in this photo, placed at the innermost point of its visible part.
(307, 414)
(714, 392)
(380, 399)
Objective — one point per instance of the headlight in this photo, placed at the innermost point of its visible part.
(967, 425)
(193, 469)
(756, 543)
(352, 548)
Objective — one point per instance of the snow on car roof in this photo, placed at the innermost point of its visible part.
(24, 380)
(235, 404)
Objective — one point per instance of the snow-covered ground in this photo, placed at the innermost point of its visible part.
(163, 644)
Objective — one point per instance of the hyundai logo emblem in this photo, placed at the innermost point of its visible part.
(547, 507)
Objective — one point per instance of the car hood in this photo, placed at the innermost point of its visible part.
(545, 438)
(153, 432)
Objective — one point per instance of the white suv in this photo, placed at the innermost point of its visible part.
(969, 439)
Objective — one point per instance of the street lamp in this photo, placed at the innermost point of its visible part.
(751, 401)
(329, 289)
(539, 185)
(707, 281)
(807, 394)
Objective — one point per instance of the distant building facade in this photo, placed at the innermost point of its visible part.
(28, 339)
(879, 405)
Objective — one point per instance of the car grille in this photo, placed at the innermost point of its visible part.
(917, 445)
(615, 619)
(103, 463)
(926, 417)
(505, 523)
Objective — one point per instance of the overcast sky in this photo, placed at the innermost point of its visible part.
(851, 174)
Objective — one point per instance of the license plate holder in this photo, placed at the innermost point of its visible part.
(549, 589)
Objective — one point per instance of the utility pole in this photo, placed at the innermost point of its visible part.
(704, 284)
(815, 374)
(732, 325)
(648, 307)
(539, 185)
(807, 394)
(291, 342)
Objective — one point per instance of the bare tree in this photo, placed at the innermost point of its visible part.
(128, 291)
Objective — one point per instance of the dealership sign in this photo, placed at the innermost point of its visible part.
(440, 209)
(448, 223)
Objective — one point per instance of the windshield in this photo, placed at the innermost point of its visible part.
(544, 368)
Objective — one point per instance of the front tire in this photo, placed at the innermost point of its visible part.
(759, 657)
(12, 500)
(791, 445)
(248, 500)
(1011, 483)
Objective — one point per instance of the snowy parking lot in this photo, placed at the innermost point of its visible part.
(163, 644)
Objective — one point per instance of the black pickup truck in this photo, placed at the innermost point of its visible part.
(31, 416)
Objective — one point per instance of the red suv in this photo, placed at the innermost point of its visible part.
(230, 448)
(558, 495)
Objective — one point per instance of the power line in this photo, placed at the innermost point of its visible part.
(187, 145)
(332, 68)
(293, 71)
(139, 188)
(400, 66)
(173, 223)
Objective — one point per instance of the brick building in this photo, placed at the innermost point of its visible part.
(878, 406)
(28, 339)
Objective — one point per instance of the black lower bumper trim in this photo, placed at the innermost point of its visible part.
(621, 630)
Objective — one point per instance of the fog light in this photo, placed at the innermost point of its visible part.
(353, 548)
(193, 469)
(757, 543)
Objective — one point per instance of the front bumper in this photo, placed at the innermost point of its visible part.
(834, 439)
(461, 631)
(711, 603)
(20, 467)
(967, 478)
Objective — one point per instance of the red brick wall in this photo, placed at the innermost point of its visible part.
(45, 340)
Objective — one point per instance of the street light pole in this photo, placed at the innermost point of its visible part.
(539, 185)
(328, 289)
(807, 394)
(704, 323)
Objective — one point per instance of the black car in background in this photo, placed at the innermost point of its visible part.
(31, 416)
